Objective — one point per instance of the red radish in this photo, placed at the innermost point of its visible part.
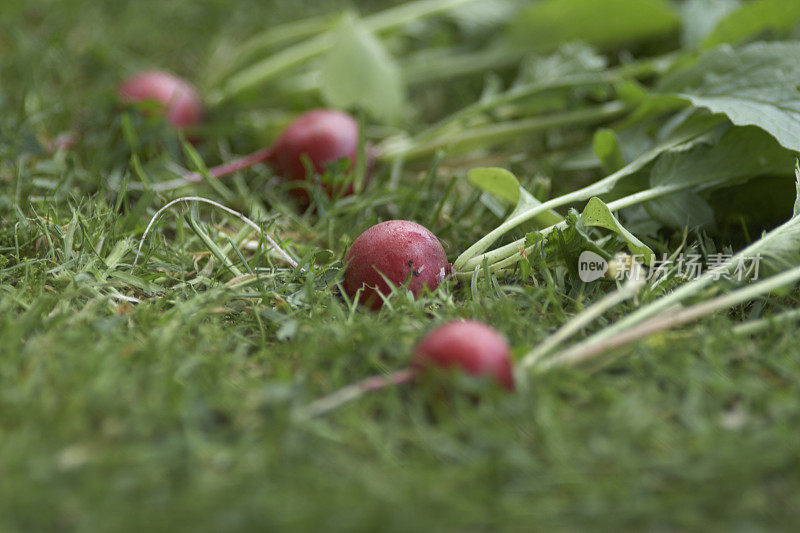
(323, 135)
(181, 104)
(467, 345)
(399, 250)
(472, 346)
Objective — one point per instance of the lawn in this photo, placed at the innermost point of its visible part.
(161, 390)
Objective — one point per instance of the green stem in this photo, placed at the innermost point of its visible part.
(632, 70)
(274, 37)
(596, 189)
(427, 68)
(509, 254)
(757, 249)
(587, 350)
(755, 326)
(278, 63)
(629, 290)
(486, 136)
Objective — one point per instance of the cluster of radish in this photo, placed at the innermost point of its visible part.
(404, 253)
(393, 253)
(323, 136)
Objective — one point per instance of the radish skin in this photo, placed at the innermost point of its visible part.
(180, 102)
(399, 251)
(470, 346)
(324, 136)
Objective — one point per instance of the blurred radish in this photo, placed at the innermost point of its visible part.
(324, 136)
(64, 141)
(180, 102)
(398, 250)
(471, 346)
(466, 345)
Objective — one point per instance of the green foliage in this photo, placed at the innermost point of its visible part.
(163, 396)
(357, 71)
(756, 85)
(739, 155)
(498, 182)
(549, 23)
(754, 19)
(503, 184)
(685, 209)
(597, 214)
(607, 149)
(701, 17)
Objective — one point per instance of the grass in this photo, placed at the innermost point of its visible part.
(161, 396)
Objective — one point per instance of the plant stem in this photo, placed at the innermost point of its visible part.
(594, 189)
(274, 37)
(233, 166)
(261, 72)
(756, 249)
(519, 92)
(475, 253)
(587, 350)
(352, 392)
(427, 68)
(507, 255)
(629, 290)
(754, 326)
(493, 134)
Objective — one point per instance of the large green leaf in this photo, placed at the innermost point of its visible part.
(358, 71)
(682, 209)
(753, 19)
(609, 23)
(753, 86)
(741, 153)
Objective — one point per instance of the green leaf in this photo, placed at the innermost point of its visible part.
(779, 249)
(609, 23)
(754, 86)
(741, 153)
(597, 214)
(570, 59)
(496, 181)
(502, 184)
(358, 71)
(682, 209)
(700, 18)
(606, 147)
(753, 19)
